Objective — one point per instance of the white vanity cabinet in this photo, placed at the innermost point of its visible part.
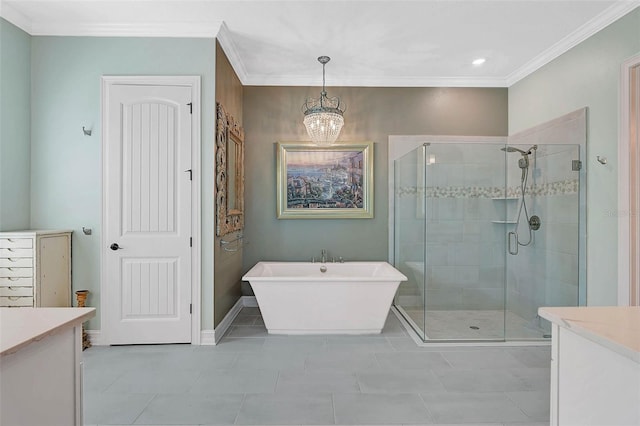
(595, 365)
(41, 366)
(35, 269)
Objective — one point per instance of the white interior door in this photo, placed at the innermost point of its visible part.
(147, 214)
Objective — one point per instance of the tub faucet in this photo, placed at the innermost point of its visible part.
(324, 255)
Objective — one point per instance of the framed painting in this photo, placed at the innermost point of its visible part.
(334, 182)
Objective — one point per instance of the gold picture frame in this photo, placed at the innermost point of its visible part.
(229, 173)
(334, 182)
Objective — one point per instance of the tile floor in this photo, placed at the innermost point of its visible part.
(252, 378)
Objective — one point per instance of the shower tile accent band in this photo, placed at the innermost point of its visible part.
(568, 186)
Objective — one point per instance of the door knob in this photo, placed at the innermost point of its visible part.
(114, 246)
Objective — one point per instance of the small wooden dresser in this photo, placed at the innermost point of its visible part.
(35, 269)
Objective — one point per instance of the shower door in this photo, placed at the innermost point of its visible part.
(450, 222)
(465, 216)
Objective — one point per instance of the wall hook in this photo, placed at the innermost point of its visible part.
(86, 132)
(602, 160)
(86, 231)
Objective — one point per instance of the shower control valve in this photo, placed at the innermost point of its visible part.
(534, 223)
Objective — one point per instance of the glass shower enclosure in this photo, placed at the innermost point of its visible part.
(487, 231)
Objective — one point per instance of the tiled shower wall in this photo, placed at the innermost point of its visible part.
(545, 273)
(464, 202)
(465, 249)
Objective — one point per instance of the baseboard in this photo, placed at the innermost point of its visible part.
(212, 337)
(207, 337)
(95, 337)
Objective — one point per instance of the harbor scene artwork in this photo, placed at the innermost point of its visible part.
(324, 182)
(324, 179)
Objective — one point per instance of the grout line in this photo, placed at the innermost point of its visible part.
(145, 407)
(426, 406)
(333, 407)
(275, 386)
(244, 397)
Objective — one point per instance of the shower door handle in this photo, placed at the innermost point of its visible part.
(513, 236)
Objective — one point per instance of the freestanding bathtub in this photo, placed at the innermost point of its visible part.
(324, 298)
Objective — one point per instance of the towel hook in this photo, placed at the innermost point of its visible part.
(86, 132)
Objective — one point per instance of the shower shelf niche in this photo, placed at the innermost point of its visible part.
(505, 222)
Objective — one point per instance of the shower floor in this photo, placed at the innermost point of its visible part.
(457, 324)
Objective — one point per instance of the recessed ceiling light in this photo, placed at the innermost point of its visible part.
(479, 61)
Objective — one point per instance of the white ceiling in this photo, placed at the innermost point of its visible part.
(371, 43)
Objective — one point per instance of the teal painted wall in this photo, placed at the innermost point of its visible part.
(15, 129)
(66, 165)
(587, 75)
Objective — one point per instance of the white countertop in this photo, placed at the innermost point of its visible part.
(9, 234)
(21, 326)
(615, 327)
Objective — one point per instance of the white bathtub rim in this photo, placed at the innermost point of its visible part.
(389, 272)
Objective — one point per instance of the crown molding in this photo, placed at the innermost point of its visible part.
(10, 14)
(369, 81)
(219, 30)
(610, 15)
(230, 49)
(127, 29)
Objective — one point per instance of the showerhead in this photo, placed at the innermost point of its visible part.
(514, 149)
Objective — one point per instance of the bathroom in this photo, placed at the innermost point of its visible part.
(60, 167)
(374, 114)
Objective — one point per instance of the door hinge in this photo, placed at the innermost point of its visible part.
(190, 308)
(190, 241)
(576, 165)
(190, 104)
(190, 174)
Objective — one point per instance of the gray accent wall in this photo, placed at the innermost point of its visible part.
(587, 76)
(273, 114)
(66, 165)
(15, 128)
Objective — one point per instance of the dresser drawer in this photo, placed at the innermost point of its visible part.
(16, 252)
(16, 243)
(16, 272)
(16, 301)
(16, 281)
(13, 292)
(16, 262)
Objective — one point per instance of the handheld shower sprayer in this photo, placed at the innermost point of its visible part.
(523, 163)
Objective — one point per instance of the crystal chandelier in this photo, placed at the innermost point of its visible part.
(323, 116)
